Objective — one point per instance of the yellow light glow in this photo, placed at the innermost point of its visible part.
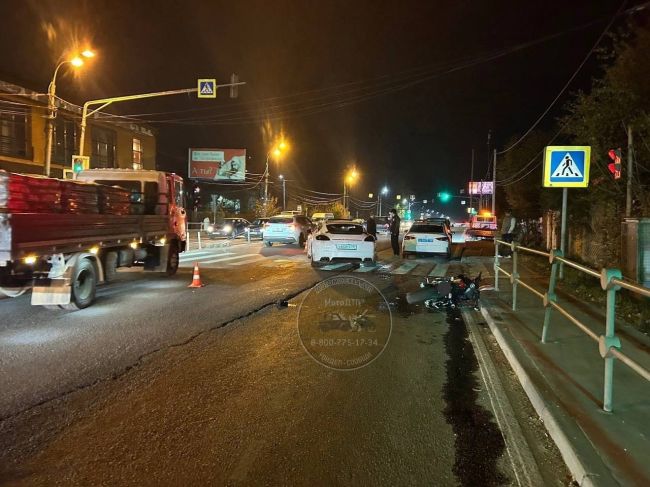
(133, 245)
(88, 53)
(94, 250)
(76, 61)
(162, 241)
(486, 213)
(30, 260)
(282, 145)
(277, 152)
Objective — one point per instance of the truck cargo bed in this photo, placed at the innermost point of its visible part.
(23, 234)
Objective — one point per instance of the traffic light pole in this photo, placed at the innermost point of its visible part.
(104, 102)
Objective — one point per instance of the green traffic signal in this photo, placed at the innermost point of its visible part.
(444, 197)
(77, 167)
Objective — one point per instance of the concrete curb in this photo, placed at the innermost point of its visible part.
(569, 454)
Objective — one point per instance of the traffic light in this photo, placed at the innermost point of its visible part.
(80, 163)
(615, 167)
(444, 196)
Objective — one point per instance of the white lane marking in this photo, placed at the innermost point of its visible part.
(203, 255)
(439, 270)
(405, 268)
(214, 261)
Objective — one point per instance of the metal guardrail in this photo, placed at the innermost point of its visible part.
(611, 281)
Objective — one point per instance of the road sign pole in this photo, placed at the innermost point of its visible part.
(563, 228)
(494, 183)
(628, 195)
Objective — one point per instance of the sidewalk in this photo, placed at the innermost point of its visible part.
(564, 380)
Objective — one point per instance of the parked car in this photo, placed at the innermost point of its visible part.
(229, 228)
(256, 228)
(287, 229)
(382, 225)
(427, 238)
(342, 240)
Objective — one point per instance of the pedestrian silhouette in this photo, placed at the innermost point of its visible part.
(567, 166)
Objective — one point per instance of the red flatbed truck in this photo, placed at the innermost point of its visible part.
(62, 256)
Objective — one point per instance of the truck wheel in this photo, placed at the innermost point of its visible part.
(83, 286)
(172, 260)
(110, 266)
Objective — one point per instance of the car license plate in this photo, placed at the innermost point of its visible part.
(346, 246)
(278, 229)
(425, 240)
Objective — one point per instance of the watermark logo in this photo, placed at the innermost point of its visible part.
(344, 323)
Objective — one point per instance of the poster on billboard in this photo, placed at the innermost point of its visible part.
(217, 164)
(480, 187)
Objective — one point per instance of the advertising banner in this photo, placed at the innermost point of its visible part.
(217, 164)
(481, 187)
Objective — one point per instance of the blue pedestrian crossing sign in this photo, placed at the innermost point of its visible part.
(567, 166)
(207, 88)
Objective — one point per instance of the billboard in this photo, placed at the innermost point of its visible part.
(480, 187)
(217, 164)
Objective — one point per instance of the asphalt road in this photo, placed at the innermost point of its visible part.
(160, 384)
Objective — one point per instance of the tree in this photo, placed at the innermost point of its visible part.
(266, 208)
(338, 210)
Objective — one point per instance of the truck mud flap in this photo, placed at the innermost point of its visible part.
(51, 291)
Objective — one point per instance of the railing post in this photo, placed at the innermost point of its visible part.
(514, 276)
(550, 296)
(496, 264)
(198, 237)
(609, 340)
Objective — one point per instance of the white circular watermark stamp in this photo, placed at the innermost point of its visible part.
(344, 323)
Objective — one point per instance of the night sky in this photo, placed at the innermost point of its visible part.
(326, 74)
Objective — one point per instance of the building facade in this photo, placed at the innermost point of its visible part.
(23, 125)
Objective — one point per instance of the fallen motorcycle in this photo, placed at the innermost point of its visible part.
(447, 293)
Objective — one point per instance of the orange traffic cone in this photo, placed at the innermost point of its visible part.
(196, 277)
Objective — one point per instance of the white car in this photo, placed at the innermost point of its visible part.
(427, 238)
(287, 229)
(340, 240)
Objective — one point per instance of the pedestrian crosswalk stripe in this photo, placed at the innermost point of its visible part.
(405, 268)
(336, 267)
(367, 268)
(203, 255)
(439, 270)
(249, 261)
(223, 259)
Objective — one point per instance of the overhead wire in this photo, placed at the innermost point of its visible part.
(566, 85)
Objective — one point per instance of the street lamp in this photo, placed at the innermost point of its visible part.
(284, 193)
(348, 180)
(277, 150)
(76, 61)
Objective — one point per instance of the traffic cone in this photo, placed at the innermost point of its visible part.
(196, 277)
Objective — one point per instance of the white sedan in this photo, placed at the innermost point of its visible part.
(427, 238)
(340, 240)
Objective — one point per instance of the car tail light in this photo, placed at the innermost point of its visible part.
(442, 239)
(409, 237)
(369, 238)
(291, 226)
(322, 237)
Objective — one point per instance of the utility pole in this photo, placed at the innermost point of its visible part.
(471, 178)
(494, 182)
(628, 196)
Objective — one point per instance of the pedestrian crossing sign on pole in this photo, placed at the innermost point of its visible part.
(207, 88)
(567, 166)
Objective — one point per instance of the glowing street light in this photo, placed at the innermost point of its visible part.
(76, 61)
(349, 179)
(277, 150)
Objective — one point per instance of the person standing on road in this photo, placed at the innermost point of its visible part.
(394, 230)
(371, 226)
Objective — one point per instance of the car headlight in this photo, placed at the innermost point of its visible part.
(227, 228)
(210, 228)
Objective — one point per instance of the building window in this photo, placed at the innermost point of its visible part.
(65, 141)
(104, 149)
(137, 154)
(13, 128)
